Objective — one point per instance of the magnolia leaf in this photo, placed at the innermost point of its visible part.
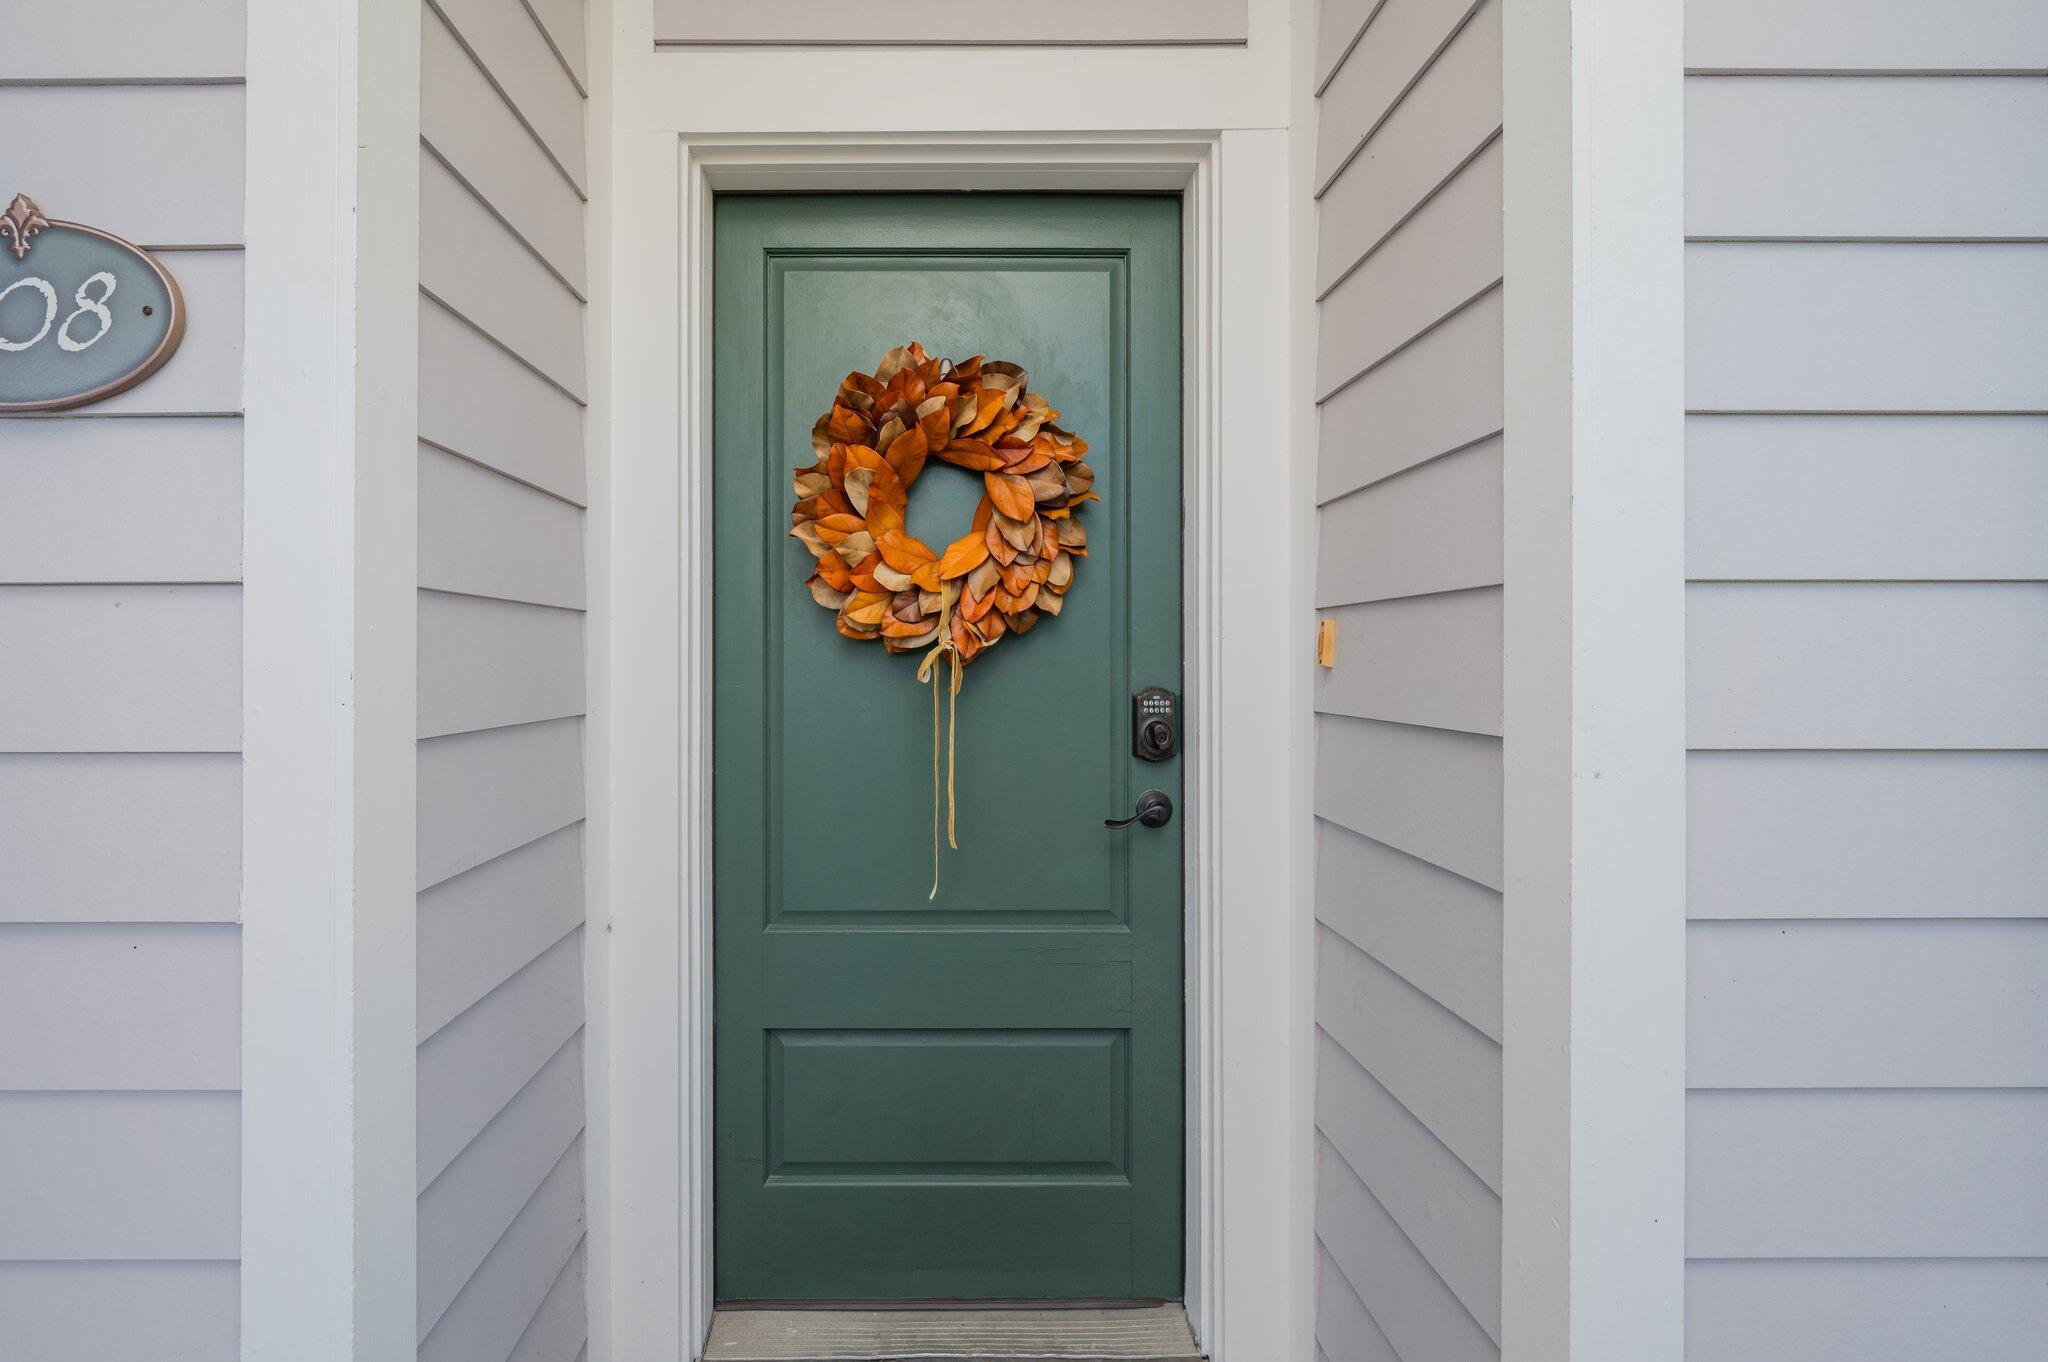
(857, 480)
(961, 557)
(855, 547)
(890, 578)
(1011, 495)
(823, 594)
(983, 579)
(902, 551)
(1022, 532)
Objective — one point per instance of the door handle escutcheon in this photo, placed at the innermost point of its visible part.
(1154, 810)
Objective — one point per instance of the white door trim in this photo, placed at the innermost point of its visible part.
(1249, 856)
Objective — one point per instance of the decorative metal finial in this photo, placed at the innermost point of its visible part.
(21, 221)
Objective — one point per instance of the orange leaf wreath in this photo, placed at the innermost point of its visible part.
(1016, 560)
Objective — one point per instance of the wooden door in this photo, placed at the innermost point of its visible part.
(979, 1095)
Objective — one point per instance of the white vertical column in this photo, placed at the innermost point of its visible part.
(329, 709)
(1594, 710)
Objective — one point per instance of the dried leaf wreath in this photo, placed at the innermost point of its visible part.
(1016, 560)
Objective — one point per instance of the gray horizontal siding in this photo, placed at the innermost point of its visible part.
(1441, 1068)
(529, 430)
(1891, 1004)
(557, 1328)
(1867, 1173)
(1438, 931)
(106, 41)
(501, 680)
(84, 132)
(138, 1312)
(1416, 1310)
(487, 663)
(1866, 326)
(1803, 834)
(1451, 114)
(465, 1210)
(1868, 626)
(121, 668)
(1867, 498)
(1344, 1327)
(1430, 792)
(473, 1066)
(89, 1006)
(1408, 185)
(470, 128)
(1445, 1209)
(120, 837)
(1432, 660)
(1813, 156)
(481, 927)
(1857, 35)
(120, 718)
(1850, 1310)
(483, 794)
(562, 23)
(483, 534)
(1439, 394)
(155, 499)
(1876, 665)
(120, 1176)
(473, 264)
(512, 49)
(1445, 254)
(1431, 528)
(921, 23)
(505, 1294)
(1399, 41)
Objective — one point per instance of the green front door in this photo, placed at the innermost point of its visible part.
(976, 1096)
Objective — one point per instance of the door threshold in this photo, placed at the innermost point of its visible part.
(1098, 1333)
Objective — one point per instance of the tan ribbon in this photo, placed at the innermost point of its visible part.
(929, 670)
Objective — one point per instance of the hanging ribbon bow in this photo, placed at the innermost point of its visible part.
(929, 670)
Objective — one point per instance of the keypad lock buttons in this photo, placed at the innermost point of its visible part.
(1155, 724)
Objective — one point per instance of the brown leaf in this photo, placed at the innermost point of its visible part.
(823, 594)
(961, 557)
(1021, 531)
(902, 551)
(1011, 495)
(855, 547)
(867, 608)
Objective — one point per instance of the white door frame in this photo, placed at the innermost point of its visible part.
(1249, 856)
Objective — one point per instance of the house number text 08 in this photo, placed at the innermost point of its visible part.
(88, 306)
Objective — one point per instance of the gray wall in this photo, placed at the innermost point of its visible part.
(1867, 539)
(501, 691)
(120, 720)
(1408, 759)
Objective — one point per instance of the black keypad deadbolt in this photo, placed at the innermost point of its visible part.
(1155, 724)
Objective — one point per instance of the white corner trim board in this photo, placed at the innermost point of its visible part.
(1248, 994)
(1592, 1252)
(327, 1204)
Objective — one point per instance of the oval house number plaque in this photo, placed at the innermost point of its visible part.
(83, 314)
